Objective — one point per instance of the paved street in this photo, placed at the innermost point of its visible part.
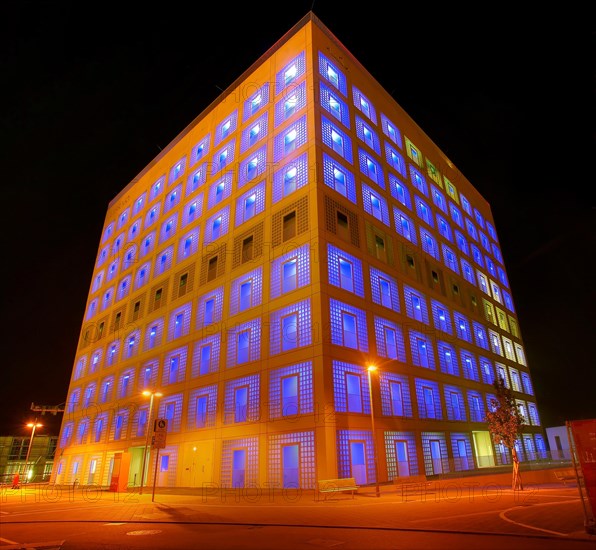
(441, 516)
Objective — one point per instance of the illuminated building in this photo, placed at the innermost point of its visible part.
(298, 230)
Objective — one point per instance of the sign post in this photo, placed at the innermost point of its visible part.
(160, 429)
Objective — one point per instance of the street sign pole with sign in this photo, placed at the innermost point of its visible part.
(160, 429)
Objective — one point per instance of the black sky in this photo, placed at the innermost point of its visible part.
(92, 93)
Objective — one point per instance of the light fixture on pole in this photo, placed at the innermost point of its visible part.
(369, 369)
(152, 395)
(33, 426)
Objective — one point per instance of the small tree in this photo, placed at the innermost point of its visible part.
(504, 424)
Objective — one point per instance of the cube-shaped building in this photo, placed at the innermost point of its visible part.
(300, 230)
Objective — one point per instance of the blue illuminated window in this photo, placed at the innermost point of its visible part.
(508, 300)
(454, 400)
(252, 166)
(291, 390)
(250, 203)
(395, 160)
(439, 199)
(424, 211)
(200, 150)
(395, 395)
(504, 281)
(416, 306)
(389, 339)
(491, 230)
(226, 127)
(348, 326)
(168, 228)
(456, 215)
(108, 232)
(368, 135)
(330, 71)
(465, 203)
(290, 327)
(223, 158)
(497, 253)
(192, 210)
(290, 103)
(391, 131)
(384, 289)
(256, 101)
(345, 270)
(220, 190)
(290, 271)
(477, 255)
(246, 291)
(399, 191)
(444, 228)
(164, 261)
(206, 354)
(422, 350)
(196, 179)
(462, 327)
(244, 343)
(123, 218)
(418, 180)
(476, 405)
(217, 225)
(461, 242)
(468, 272)
(374, 204)
(157, 188)
(447, 358)
(441, 317)
(291, 177)
(450, 259)
(471, 229)
(139, 204)
(404, 225)
(363, 104)
(291, 72)
(152, 216)
(177, 170)
(429, 244)
(336, 139)
(429, 400)
(350, 384)
(333, 104)
(339, 178)
(371, 168)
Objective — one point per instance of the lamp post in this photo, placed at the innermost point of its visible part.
(369, 369)
(152, 395)
(33, 426)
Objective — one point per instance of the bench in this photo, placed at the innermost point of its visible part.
(411, 483)
(326, 486)
(568, 474)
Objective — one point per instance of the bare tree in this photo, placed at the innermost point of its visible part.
(504, 424)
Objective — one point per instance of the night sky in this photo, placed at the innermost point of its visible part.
(92, 93)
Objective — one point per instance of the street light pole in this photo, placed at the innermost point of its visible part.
(152, 394)
(372, 368)
(31, 425)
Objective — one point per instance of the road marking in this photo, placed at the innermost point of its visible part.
(452, 517)
(144, 532)
(505, 518)
(8, 541)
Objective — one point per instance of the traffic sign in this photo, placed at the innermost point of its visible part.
(160, 429)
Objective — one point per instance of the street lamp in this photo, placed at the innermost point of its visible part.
(31, 425)
(369, 369)
(152, 395)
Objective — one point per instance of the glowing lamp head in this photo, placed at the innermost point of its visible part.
(371, 368)
(32, 424)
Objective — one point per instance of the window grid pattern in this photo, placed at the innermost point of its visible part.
(369, 136)
(172, 198)
(428, 460)
(334, 255)
(476, 405)
(344, 438)
(214, 344)
(252, 166)
(254, 133)
(153, 334)
(303, 334)
(297, 98)
(362, 103)
(385, 389)
(290, 73)
(465, 462)
(220, 189)
(416, 306)
(469, 366)
(392, 467)
(462, 327)
(226, 127)
(423, 406)
(326, 68)
(121, 417)
(302, 256)
(189, 244)
(374, 204)
(441, 317)
(399, 191)
(223, 157)
(533, 413)
(174, 359)
(340, 390)
(200, 150)
(213, 232)
(256, 289)
(327, 133)
(298, 170)
(395, 160)
(450, 258)
(132, 344)
(254, 341)
(391, 131)
(421, 347)
(251, 445)
(256, 102)
(164, 261)
(487, 369)
(196, 179)
(527, 384)
(253, 403)
(404, 225)
(305, 389)
(456, 408)
(306, 446)
(385, 348)
(217, 295)
(339, 178)
(148, 375)
(243, 213)
(211, 393)
(280, 142)
(429, 244)
(126, 383)
(379, 296)
(179, 326)
(448, 362)
(168, 228)
(418, 180)
(371, 168)
(334, 105)
(336, 308)
(468, 271)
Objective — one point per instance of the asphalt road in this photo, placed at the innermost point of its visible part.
(464, 515)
